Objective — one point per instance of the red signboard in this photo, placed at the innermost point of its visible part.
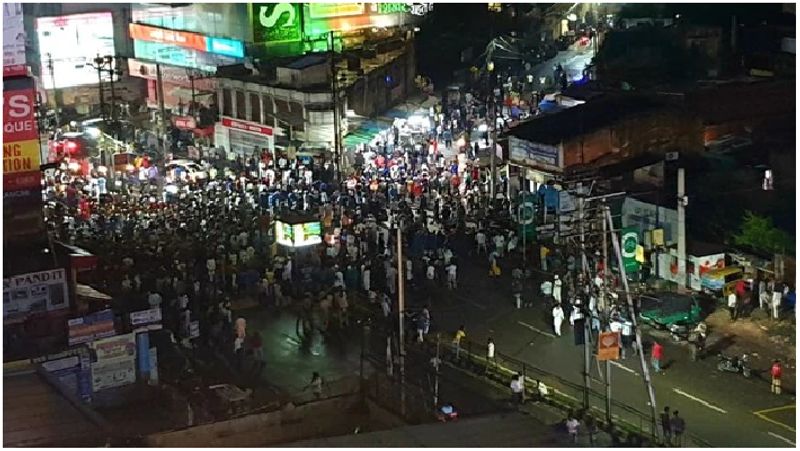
(16, 70)
(184, 122)
(247, 126)
(19, 123)
(179, 38)
(22, 180)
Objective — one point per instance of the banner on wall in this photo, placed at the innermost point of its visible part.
(116, 362)
(13, 35)
(630, 241)
(91, 327)
(42, 291)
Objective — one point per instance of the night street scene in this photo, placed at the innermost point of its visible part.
(548, 225)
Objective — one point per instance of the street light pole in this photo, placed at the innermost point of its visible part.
(401, 303)
(99, 65)
(336, 119)
(55, 90)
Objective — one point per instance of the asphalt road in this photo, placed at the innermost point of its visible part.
(722, 409)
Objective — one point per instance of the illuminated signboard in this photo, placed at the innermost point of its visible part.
(329, 10)
(324, 17)
(298, 235)
(186, 39)
(277, 22)
(180, 56)
(73, 42)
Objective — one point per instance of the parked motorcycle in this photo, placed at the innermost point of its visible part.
(681, 332)
(735, 364)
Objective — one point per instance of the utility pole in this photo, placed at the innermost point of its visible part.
(681, 229)
(587, 331)
(436, 363)
(631, 311)
(401, 305)
(493, 146)
(55, 90)
(99, 64)
(162, 111)
(192, 107)
(604, 305)
(336, 119)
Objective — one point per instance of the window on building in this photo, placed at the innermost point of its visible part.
(255, 107)
(240, 105)
(227, 103)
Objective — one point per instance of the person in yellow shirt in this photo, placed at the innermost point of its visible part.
(543, 253)
(460, 334)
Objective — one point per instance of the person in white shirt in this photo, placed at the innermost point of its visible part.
(558, 318)
(480, 239)
(365, 277)
(490, 357)
(557, 288)
(452, 271)
(732, 305)
(499, 244)
(517, 389)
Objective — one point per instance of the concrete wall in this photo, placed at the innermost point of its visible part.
(326, 418)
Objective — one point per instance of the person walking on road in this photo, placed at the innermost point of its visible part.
(490, 356)
(678, 426)
(572, 427)
(516, 389)
(732, 305)
(557, 288)
(558, 318)
(315, 385)
(776, 302)
(776, 372)
(460, 335)
(666, 427)
(656, 355)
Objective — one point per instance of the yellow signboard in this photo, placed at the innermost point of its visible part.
(21, 156)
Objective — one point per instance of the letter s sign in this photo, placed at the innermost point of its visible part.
(19, 106)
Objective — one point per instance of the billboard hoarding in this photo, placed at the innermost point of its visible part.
(243, 137)
(21, 156)
(169, 74)
(19, 121)
(73, 41)
(120, 346)
(91, 327)
(533, 154)
(277, 22)
(180, 56)
(144, 317)
(13, 35)
(41, 291)
(185, 39)
(113, 373)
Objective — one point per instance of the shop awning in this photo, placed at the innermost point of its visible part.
(89, 293)
(365, 132)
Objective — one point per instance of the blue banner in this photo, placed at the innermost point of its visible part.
(143, 352)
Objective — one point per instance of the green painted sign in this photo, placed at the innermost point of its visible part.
(277, 22)
(392, 8)
(630, 239)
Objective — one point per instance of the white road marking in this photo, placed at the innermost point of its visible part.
(535, 329)
(695, 398)
(780, 437)
(623, 367)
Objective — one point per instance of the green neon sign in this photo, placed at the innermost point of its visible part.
(277, 22)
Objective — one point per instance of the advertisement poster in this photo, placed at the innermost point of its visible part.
(13, 35)
(73, 373)
(144, 317)
(42, 291)
(70, 44)
(91, 327)
(630, 240)
(243, 137)
(121, 346)
(608, 346)
(113, 373)
(277, 22)
(533, 154)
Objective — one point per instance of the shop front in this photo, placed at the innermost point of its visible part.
(244, 138)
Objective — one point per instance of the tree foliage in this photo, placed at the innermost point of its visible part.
(758, 233)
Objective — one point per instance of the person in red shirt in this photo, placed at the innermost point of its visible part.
(776, 372)
(656, 355)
